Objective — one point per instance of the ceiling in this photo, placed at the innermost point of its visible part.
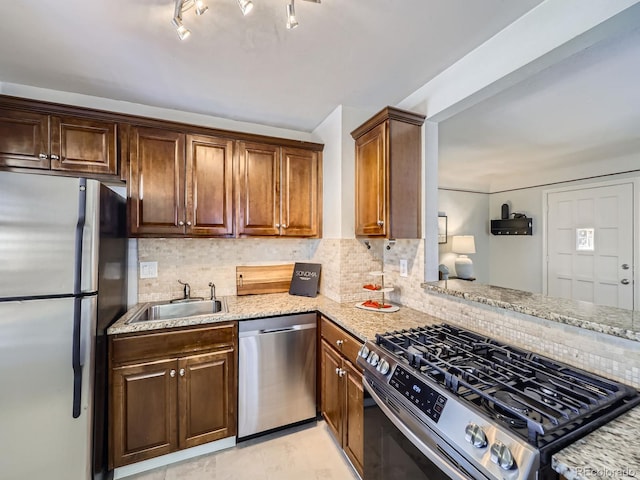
(577, 118)
(359, 53)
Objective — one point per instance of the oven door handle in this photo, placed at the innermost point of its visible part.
(440, 462)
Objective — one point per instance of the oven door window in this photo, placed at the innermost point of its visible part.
(389, 455)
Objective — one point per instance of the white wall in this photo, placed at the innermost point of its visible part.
(467, 214)
(330, 133)
(137, 109)
(517, 262)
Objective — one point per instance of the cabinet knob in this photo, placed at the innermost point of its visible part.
(55, 157)
(188, 224)
(43, 156)
(181, 223)
(339, 342)
(277, 225)
(625, 266)
(284, 225)
(624, 281)
(380, 223)
(182, 372)
(342, 372)
(172, 373)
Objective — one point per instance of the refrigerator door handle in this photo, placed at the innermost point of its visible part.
(76, 363)
(77, 304)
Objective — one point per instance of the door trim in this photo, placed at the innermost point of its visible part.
(635, 195)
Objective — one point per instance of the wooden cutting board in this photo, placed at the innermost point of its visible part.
(263, 278)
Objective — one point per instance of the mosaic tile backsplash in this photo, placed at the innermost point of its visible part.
(346, 264)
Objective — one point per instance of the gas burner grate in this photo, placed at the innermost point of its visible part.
(526, 391)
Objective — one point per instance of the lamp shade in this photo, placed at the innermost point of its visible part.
(463, 244)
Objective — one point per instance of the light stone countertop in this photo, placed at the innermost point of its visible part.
(613, 321)
(607, 453)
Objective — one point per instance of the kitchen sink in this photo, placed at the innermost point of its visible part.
(166, 311)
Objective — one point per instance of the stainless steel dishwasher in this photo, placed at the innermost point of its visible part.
(276, 372)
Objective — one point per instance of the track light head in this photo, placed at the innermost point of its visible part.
(245, 6)
(291, 16)
(182, 31)
(201, 7)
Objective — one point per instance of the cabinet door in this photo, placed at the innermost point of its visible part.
(83, 145)
(352, 440)
(259, 189)
(332, 395)
(371, 182)
(156, 181)
(24, 139)
(207, 397)
(143, 406)
(209, 182)
(299, 192)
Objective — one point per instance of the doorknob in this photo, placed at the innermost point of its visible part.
(625, 266)
(624, 281)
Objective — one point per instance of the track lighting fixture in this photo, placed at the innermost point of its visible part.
(246, 6)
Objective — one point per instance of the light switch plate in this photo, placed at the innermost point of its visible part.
(148, 269)
(404, 268)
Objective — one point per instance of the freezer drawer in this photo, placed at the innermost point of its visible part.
(277, 372)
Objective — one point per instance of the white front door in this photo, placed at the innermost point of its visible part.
(589, 240)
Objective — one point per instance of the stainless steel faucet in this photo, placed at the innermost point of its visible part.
(187, 290)
(213, 290)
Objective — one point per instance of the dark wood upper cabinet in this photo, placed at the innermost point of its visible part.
(61, 143)
(156, 181)
(24, 139)
(258, 189)
(209, 186)
(84, 145)
(300, 192)
(388, 175)
(279, 190)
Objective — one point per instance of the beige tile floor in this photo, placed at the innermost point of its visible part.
(306, 452)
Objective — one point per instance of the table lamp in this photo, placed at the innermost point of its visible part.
(463, 245)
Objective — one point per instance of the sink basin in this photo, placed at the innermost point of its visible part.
(167, 311)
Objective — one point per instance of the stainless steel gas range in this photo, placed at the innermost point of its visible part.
(443, 402)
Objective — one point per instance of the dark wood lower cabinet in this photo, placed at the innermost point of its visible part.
(206, 396)
(341, 397)
(160, 405)
(144, 419)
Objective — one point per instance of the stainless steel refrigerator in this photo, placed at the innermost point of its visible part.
(63, 255)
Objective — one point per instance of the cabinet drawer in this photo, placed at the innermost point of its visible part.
(339, 339)
(166, 343)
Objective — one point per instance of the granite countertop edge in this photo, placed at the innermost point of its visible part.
(583, 460)
(537, 305)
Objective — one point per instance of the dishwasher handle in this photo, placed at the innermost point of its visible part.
(278, 330)
(267, 331)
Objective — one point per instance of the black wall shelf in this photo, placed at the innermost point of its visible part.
(512, 226)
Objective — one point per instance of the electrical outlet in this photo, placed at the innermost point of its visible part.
(148, 269)
(404, 268)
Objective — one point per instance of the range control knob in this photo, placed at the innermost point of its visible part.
(475, 436)
(383, 367)
(373, 359)
(502, 456)
(364, 351)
